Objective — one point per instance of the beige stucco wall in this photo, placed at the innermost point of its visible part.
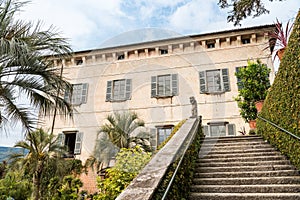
(186, 58)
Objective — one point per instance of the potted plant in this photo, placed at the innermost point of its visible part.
(279, 38)
(254, 84)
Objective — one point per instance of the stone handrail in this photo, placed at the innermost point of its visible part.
(145, 184)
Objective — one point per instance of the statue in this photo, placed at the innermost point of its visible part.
(194, 107)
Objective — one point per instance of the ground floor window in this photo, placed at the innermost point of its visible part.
(215, 129)
(163, 132)
(71, 141)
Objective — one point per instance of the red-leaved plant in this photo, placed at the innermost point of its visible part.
(279, 38)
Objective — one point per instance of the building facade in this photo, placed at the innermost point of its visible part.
(156, 80)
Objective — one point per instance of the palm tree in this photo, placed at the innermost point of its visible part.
(25, 71)
(120, 127)
(42, 149)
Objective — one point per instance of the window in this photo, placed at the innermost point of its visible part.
(163, 51)
(211, 45)
(121, 57)
(72, 141)
(214, 81)
(118, 90)
(163, 132)
(78, 95)
(216, 129)
(164, 85)
(238, 80)
(246, 40)
(79, 61)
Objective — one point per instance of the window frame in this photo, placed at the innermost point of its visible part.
(207, 129)
(164, 128)
(77, 96)
(110, 90)
(223, 78)
(76, 145)
(173, 86)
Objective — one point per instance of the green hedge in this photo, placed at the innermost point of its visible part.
(282, 105)
(183, 180)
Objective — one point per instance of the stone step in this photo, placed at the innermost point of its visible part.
(244, 168)
(244, 163)
(242, 159)
(231, 140)
(247, 174)
(236, 147)
(280, 188)
(234, 144)
(247, 180)
(233, 137)
(204, 151)
(242, 155)
(245, 196)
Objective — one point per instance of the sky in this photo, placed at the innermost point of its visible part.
(92, 24)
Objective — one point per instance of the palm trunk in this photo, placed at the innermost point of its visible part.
(37, 181)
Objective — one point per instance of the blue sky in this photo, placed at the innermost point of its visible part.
(91, 23)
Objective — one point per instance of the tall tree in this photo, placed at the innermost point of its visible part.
(42, 149)
(25, 72)
(242, 9)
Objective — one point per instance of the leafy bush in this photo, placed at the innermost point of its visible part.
(254, 84)
(282, 105)
(129, 162)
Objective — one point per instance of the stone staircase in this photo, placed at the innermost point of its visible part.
(243, 167)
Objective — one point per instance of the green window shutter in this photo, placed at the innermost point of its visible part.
(60, 139)
(128, 89)
(238, 80)
(153, 137)
(202, 81)
(153, 86)
(109, 91)
(67, 96)
(225, 77)
(231, 129)
(174, 84)
(205, 130)
(84, 92)
(78, 143)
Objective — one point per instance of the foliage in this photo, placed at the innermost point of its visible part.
(120, 128)
(128, 164)
(282, 105)
(184, 177)
(175, 129)
(43, 162)
(25, 72)
(15, 185)
(280, 36)
(254, 84)
(242, 9)
(68, 189)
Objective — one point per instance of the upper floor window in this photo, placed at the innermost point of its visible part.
(246, 40)
(163, 51)
(164, 85)
(121, 57)
(118, 90)
(210, 44)
(214, 81)
(238, 80)
(78, 95)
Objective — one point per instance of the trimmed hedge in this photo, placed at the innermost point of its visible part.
(184, 177)
(282, 105)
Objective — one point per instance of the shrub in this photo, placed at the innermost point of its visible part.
(282, 105)
(129, 162)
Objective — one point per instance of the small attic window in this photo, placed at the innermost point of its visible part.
(246, 40)
(79, 61)
(210, 45)
(163, 51)
(121, 57)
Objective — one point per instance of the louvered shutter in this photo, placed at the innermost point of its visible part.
(206, 130)
(67, 96)
(225, 77)
(174, 84)
(84, 92)
(153, 138)
(60, 139)
(153, 86)
(231, 129)
(78, 142)
(109, 91)
(202, 81)
(128, 89)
